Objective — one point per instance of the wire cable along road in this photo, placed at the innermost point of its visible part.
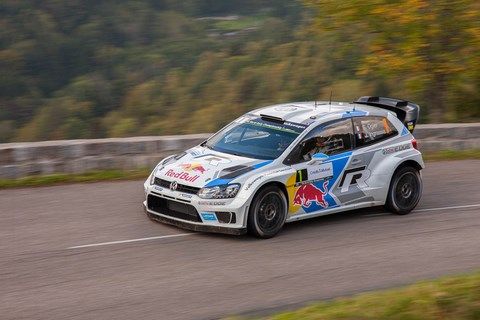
(74, 252)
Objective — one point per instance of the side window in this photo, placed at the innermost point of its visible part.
(331, 139)
(369, 130)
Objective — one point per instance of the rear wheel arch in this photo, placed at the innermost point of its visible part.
(413, 169)
(409, 163)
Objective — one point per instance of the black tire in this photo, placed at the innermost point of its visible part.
(405, 191)
(267, 213)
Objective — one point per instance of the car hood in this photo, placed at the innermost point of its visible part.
(200, 167)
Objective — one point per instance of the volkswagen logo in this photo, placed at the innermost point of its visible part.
(173, 185)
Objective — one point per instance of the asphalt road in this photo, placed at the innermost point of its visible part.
(204, 276)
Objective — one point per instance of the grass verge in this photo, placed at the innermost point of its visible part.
(106, 175)
(61, 178)
(451, 155)
(454, 297)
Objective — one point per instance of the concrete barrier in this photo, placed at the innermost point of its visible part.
(448, 136)
(78, 156)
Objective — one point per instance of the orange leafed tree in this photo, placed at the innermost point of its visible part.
(427, 47)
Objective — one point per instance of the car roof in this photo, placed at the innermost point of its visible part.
(313, 111)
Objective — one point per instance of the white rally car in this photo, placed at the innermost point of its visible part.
(289, 162)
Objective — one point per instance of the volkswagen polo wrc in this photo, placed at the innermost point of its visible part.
(292, 161)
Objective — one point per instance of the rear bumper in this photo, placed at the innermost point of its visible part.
(191, 226)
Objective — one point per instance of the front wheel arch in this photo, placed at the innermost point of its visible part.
(277, 184)
(272, 186)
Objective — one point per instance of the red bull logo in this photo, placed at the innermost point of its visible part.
(193, 167)
(181, 175)
(308, 193)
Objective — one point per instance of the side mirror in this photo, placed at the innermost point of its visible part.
(318, 158)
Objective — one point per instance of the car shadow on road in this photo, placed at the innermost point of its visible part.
(311, 223)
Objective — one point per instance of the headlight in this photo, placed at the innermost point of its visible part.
(219, 192)
(152, 176)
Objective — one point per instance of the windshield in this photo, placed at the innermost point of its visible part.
(255, 137)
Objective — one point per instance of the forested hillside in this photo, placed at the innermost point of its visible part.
(88, 69)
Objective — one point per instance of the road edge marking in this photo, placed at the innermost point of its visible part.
(425, 210)
(189, 234)
(130, 240)
(446, 208)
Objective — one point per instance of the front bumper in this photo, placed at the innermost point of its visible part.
(190, 225)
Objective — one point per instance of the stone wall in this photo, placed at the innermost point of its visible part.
(77, 156)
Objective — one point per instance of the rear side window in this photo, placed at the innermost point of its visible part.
(369, 130)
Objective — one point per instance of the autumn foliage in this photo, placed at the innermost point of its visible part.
(88, 69)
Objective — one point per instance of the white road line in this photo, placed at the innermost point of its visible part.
(189, 234)
(428, 209)
(130, 240)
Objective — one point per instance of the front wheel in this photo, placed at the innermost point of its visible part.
(267, 213)
(405, 191)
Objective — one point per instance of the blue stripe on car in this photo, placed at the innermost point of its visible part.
(354, 113)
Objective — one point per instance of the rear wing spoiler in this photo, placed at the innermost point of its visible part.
(406, 111)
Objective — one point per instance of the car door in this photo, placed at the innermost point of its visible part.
(315, 181)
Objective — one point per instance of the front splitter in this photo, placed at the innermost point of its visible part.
(193, 227)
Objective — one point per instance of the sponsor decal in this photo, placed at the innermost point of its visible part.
(260, 177)
(195, 152)
(294, 125)
(307, 194)
(277, 171)
(181, 175)
(186, 195)
(356, 176)
(286, 126)
(302, 175)
(197, 167)
(211, 203)
(316, 194)
(391, 150)
(354, 113)
(208, 216)
(254, 181)
(158, 188)
(321, 171)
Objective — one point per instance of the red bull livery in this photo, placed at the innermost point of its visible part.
(292, 161)
(308, 193)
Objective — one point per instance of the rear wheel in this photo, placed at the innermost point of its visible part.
(405, 191)
(267, 213)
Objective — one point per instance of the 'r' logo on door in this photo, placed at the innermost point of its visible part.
(356, 176)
